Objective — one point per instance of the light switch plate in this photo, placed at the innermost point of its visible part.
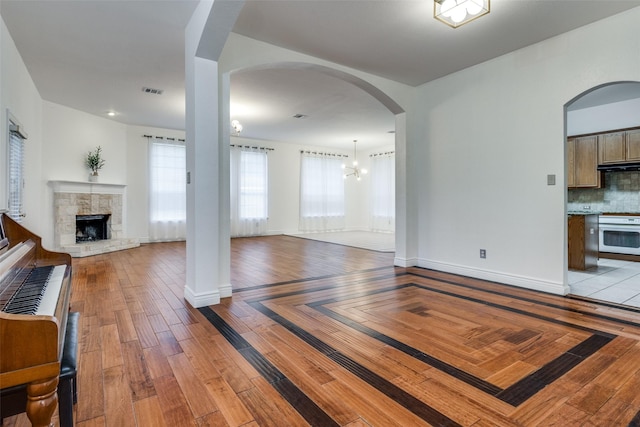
(551, 180)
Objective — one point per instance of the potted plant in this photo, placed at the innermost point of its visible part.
(94, 162)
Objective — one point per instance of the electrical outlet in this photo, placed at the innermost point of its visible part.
(483, 253)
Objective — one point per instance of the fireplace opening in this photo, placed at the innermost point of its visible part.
(91, 228)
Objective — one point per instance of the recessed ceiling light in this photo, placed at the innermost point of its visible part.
(300, 116)
(111, 113)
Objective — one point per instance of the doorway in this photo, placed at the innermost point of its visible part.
(602, 114)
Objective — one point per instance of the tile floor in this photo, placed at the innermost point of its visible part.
(614, 281)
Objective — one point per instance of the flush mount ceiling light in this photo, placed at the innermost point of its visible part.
(353, 170)
(458, 12)
(237, 127)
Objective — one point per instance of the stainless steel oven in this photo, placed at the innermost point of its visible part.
(620, 234)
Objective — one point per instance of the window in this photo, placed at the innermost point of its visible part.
(322, 205)
(167, 190)
(383, 206)
(16, 171)
(249, 191)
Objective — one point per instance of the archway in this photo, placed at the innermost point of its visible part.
(289, 109)
(602, 125)
(399, 137)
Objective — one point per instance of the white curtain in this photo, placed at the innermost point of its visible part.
(383, 205)
(322, 204)
(249, 191)
(167, 190)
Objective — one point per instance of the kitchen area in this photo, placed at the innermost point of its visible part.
(603, 206)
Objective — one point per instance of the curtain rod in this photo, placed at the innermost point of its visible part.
(254, 148)
(164, 137)
(386, 153)
(324, 154)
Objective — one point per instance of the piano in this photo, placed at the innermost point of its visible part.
(35, 289)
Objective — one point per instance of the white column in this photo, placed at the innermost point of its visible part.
(405, 243)
(204, 266)
(208, 265)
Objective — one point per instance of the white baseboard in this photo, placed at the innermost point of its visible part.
(203, 299)
(207, 298)
(405, 262)
(225, 290)
(493, 276)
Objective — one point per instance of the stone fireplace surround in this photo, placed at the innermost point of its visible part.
(71, 198)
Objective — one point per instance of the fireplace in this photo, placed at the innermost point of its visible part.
(89, 218)
(91, 228)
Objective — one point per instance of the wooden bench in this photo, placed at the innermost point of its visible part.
(13, 400)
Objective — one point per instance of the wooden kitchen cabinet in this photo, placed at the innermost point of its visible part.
(612, 148)
(582, 163)
(583, 238)
(633, 145)
(619, 147)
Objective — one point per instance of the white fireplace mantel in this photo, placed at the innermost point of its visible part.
(86, 187)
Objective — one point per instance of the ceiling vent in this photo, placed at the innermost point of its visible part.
(152, 90)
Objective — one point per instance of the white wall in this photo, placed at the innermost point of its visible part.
(617, 115)
(69, 135)
(19, 95)
(492, 134)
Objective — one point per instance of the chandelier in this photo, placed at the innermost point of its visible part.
(353, 170)
(237, 127)
(458, 12)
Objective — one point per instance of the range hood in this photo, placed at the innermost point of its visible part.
(620, 167)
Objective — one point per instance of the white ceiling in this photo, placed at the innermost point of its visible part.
(96, 55)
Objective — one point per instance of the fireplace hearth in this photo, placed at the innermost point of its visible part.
(91, 228)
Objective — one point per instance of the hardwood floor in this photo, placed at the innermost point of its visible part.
(326, 335)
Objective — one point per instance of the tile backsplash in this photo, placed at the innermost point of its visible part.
(620, 194)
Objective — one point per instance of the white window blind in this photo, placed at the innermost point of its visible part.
(322, 204)
(249, 191)
(16, 175)
(383, 205)
(167, 190)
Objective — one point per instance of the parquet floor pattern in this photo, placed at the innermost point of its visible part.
(326, 335)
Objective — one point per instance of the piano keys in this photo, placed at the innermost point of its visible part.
(35, 289)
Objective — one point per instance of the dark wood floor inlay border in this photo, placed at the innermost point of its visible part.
(536, 301)
(418, 407)
(461, 375)
(306, 407)
(635, 422)
(311, 279)
(517, 393)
